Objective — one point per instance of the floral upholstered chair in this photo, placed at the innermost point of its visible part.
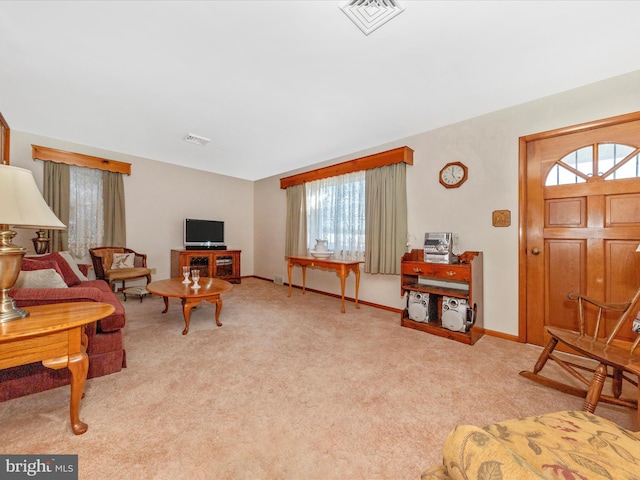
(562, 445)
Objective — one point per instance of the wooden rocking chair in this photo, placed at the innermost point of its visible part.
(621, 360)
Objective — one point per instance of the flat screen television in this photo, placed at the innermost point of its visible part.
(203, 234)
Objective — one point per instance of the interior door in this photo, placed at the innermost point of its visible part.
(581, 196)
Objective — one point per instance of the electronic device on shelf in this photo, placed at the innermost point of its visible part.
(418, 306)
(203, 234)
(438, 247)
(456, 314)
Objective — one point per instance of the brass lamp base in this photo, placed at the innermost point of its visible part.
(10, 263)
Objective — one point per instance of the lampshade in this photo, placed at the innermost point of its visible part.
(21, 205)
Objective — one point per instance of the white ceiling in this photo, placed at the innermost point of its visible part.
(279, 85)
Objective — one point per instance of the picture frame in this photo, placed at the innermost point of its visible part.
(5, 132)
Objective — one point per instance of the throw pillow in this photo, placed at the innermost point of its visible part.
(47, 278)
(70, 278)
(123, 260)
(74, 265)
(29, 264)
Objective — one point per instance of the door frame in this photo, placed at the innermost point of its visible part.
(523, 206)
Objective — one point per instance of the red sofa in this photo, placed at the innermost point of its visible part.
(105, 348)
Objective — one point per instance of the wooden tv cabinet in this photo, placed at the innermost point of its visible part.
(459, 280)
(222, 264)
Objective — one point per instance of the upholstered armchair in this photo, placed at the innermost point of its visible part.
(119, 264)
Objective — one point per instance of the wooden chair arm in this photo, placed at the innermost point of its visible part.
(140, 259)
(605, 306)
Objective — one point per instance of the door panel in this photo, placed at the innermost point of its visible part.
(568, 212)
(579, 235)
(566, 266)
(623, 210)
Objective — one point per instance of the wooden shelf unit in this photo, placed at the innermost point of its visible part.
(460, 280)
(222, 264)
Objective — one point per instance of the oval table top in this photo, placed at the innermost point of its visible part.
(174, 287)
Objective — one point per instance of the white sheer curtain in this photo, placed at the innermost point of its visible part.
(86, 210)
(336, 212)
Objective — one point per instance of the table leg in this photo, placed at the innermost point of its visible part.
(186, 311)
(357, 272)
(166, 304)
(289, 266)
(218, 310)
(343, 277)
(304, 277)
(78, 366)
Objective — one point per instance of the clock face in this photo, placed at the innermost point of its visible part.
(453, 174)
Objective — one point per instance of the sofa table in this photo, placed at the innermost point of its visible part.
(342, 267)
(54, 335)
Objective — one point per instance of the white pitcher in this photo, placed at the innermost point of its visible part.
(321, 245)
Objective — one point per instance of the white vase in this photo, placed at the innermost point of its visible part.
(321, 246)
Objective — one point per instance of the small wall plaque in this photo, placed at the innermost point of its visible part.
(501, 218)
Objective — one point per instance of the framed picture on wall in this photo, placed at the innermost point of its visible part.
(4, 140)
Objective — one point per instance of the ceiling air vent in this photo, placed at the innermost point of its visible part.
(198, 140)
(371, 14)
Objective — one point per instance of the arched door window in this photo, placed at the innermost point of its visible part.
(610, 161)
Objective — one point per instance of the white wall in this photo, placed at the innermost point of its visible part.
(158, 197)
(488, 145)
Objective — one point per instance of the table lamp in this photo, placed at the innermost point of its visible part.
(21, 205)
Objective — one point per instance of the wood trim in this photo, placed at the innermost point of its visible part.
(397, 155)
(504, 336)
(605, 122)
(6, 140)
(78, 159)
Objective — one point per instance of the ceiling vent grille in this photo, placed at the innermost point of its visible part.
(371, 14)
(198, 140)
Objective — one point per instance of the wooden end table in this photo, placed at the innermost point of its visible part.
(210, 290)
(342, 267)
(54, 335)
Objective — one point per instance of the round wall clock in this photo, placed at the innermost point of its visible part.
(453, 174)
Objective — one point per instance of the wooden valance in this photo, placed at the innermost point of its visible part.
(80, 160)
(397, 155)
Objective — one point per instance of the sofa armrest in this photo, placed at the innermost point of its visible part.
(470, 452)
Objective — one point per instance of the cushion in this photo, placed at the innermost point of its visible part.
(47, 278)
(74, 265)
(29, 265)
(70, 278)
(123, 260)
(576, 445)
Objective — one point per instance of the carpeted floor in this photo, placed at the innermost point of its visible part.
(287, 388)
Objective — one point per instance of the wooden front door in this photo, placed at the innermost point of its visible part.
(580, 222)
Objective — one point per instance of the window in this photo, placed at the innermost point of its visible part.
(613, 162)
(336, 212)
(86, 210)
(331, 203)
(90, 201)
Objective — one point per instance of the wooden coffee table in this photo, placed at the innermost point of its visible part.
(210, 290)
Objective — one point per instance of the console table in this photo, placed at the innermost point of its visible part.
(342, 267)
(54, 335)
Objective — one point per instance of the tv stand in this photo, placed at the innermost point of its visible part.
(212, 263)
(207, 247)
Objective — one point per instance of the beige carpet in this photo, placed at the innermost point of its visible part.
(287, 388)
